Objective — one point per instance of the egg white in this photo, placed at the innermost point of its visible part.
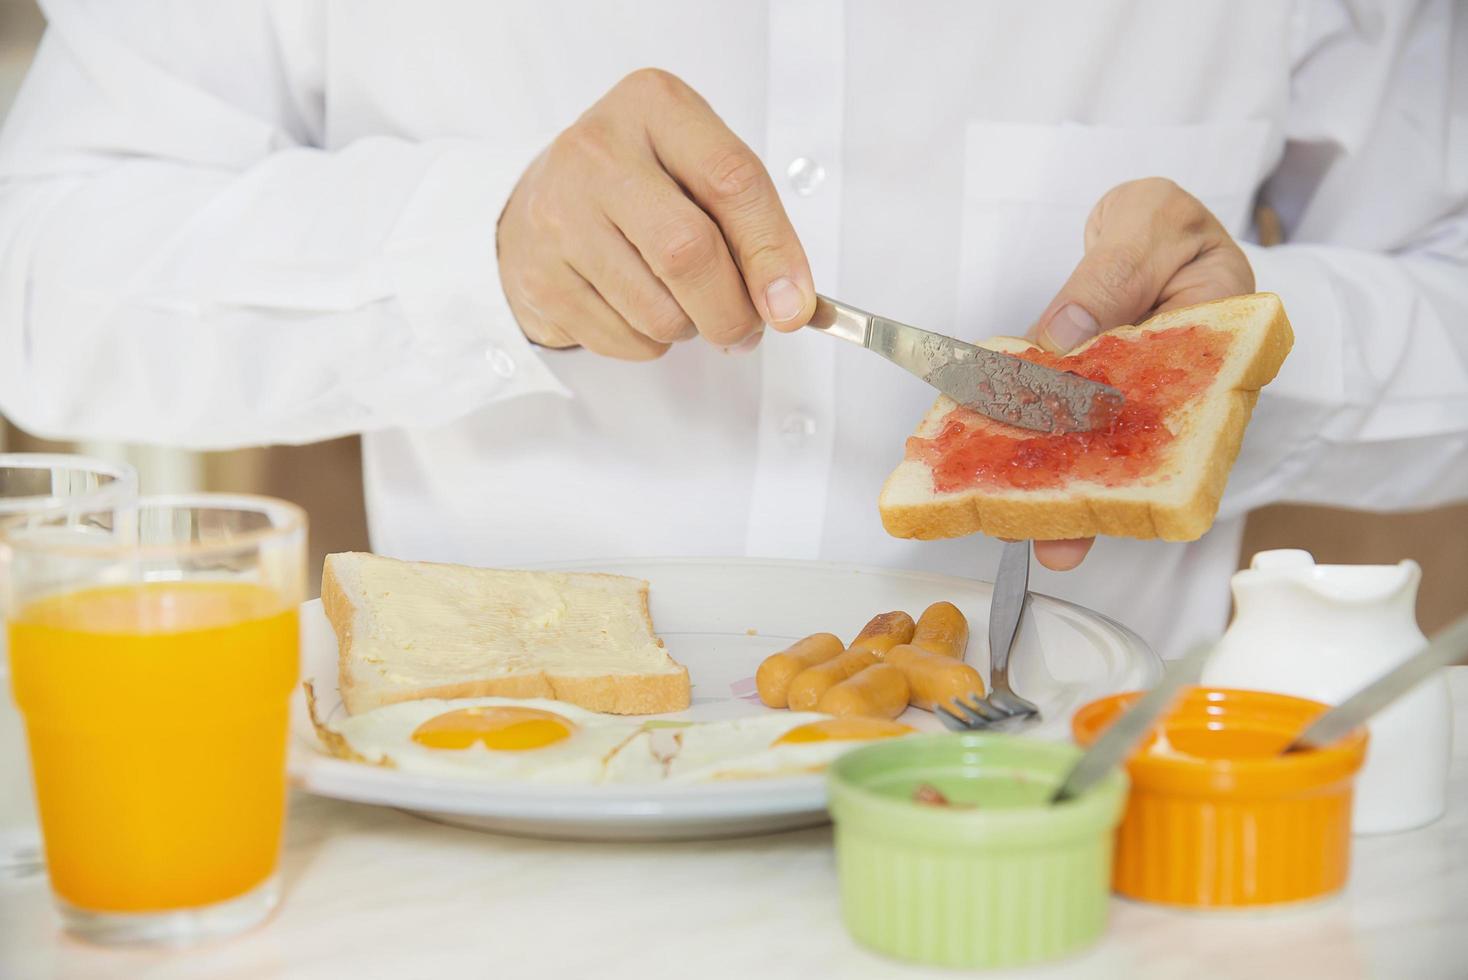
(741, 748)
(601, 749)
(746, 749)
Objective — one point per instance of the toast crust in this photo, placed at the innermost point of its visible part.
(618, 694)
(1053, 514)
(342, 615)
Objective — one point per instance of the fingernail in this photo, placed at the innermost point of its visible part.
(688, 333)
(1071, 326)
(784, 300)
(747, 344)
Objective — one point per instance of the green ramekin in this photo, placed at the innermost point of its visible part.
(983, 887)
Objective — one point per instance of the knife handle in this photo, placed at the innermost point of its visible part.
(840, 320)
(1007, 603)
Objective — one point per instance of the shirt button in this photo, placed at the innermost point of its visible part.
(796, 427)
(806, 175)
(500, 362)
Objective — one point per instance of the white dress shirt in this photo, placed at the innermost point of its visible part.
(230, 224)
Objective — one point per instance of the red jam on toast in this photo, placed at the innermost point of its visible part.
(1157, 372)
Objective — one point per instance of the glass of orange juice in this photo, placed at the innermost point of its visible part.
(153, 649)
(33, 485)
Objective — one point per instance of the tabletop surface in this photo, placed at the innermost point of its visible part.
(371, 892)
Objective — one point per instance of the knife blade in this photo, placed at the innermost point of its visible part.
(1122, 735)
(1331, 726)
(1000, 386)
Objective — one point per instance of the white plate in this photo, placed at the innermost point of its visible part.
(720, 617)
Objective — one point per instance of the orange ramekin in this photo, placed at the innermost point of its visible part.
(1243, 826)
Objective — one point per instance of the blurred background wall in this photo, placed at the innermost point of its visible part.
(326, 478)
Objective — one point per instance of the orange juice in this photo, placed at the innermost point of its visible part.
(157, 717)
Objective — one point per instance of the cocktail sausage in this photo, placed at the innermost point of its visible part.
(778, 670)
(942, 629)
(879, 691)
(808, 686)
(884, 632)
(934, 678)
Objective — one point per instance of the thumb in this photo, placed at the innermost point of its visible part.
(1109, 287)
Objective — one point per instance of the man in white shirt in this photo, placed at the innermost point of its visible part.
(276, 221)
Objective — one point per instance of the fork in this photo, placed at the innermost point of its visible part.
(1006, 609)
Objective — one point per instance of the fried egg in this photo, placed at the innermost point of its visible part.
(526, 739)
(537, 740)
(785, 743)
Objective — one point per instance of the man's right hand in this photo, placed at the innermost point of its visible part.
(648, 222)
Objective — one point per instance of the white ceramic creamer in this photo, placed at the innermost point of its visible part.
(1325, 631)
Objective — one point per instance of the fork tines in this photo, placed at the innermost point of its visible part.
(975, 713)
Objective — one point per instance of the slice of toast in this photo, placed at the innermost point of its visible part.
(1190, 376)
(409, 630)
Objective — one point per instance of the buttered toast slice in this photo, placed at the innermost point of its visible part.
(409, 630)
(1190, 377)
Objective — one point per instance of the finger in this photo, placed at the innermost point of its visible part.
(1216, 274)
(1062, 556)
(527, 294)
(579, 311)
(730, 182)
(604, 258)
(684, 249)
(1137, 238)
(543, 334)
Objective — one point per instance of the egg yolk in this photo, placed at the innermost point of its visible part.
(842, 729)
(502, 728)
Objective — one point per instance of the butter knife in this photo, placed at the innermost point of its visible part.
(1122, 735)
(1330, 726)
(1000, 386)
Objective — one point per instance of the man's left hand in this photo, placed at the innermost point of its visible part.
(1150, 246)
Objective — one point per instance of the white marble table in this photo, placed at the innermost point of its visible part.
(376, 893)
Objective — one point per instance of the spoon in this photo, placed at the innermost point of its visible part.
(1447, 647)
(1122, 735)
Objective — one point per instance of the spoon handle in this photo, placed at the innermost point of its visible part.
(1122, 735)
(1332, 725)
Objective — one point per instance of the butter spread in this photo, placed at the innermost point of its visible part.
(437, 623)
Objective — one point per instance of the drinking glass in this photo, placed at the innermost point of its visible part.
(36, 484)
(154, 647)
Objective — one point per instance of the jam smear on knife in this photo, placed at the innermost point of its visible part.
(1157, 372)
